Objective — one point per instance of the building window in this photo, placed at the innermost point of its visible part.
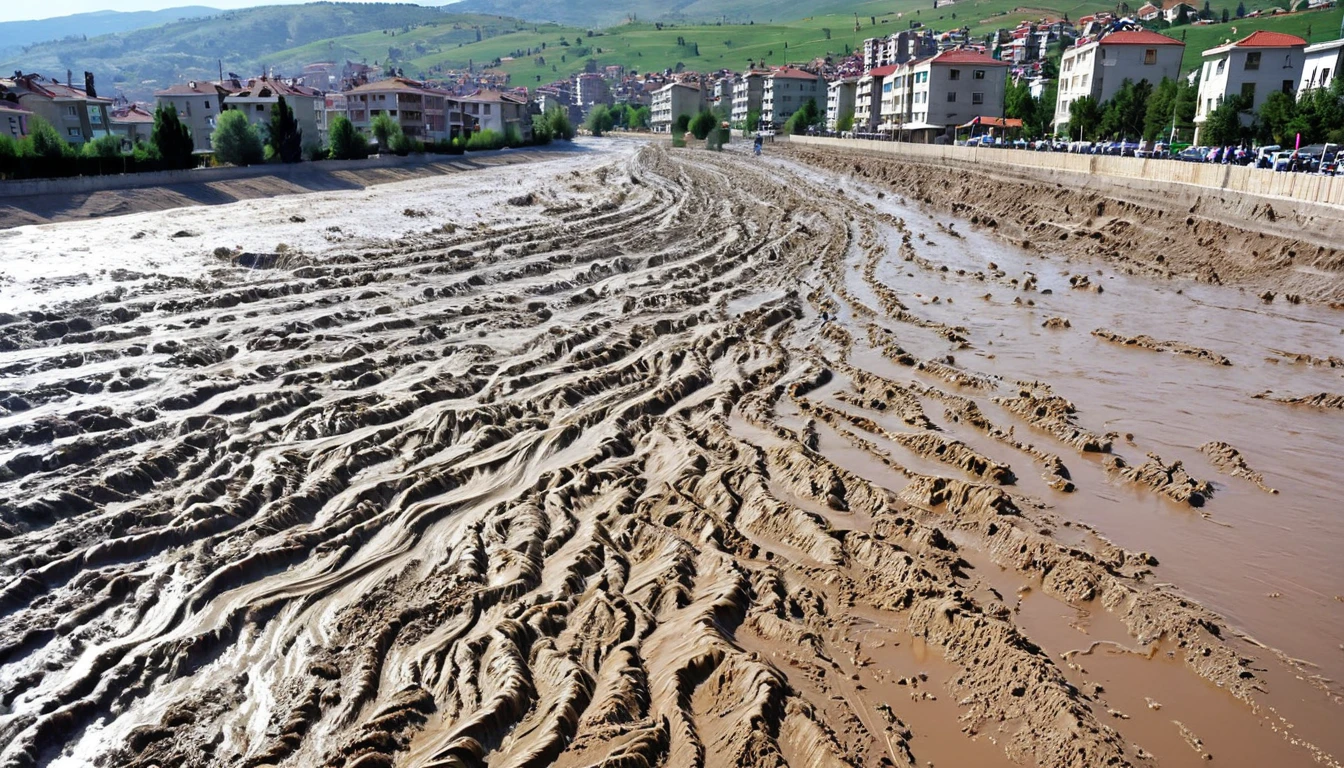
(1248, 91)
(73, 132)
(1219, 70)
(977, 98)
(1150, 56)
(487, 109)
(954, 74)
(979, 74)
(951, 96)
(260, 108)
(1253, 60)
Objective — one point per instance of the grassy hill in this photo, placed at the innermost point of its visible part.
(14, 35)
(1312, 26)
(143, 60)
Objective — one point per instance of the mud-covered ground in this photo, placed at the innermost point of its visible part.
(650, 457)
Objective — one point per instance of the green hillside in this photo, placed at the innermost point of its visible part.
(142, 60)
(1312, 26)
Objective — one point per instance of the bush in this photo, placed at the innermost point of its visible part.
(235, 140)
(9, 156)
(43, 140)
(513, 137)
(486, 139)
(103, 146)
(384, 129)
(807, 116)
(702, 124)
(557, 122)
(401, 144)
(314, 152)
(172, 139)
(346, 142)
(600, 120)
(541, 130)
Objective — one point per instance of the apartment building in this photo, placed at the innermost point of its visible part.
(1254, 67)
(496, 111)
(671, 102)
(1098, 68)
(748, 92)
(424, 113)
(1320, 65)
(786, 91)
(133, 123)
(198, 104)
(592, 90)
(260, 94)
(840, 96)
(78, 114)
(898, 48)
(927, 98)
(868, 98)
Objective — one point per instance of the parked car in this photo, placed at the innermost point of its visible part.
(1193, 154)
(1264, 158)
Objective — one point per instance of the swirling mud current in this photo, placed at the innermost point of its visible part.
(599, 485)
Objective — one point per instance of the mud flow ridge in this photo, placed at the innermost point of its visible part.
(690, 469)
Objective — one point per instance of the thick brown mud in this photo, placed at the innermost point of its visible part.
(679, 459)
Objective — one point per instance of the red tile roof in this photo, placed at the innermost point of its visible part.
(1139, 37)
(133, 113)
(883, 71)
(1263, 38)
(962, 56)
(793, 74)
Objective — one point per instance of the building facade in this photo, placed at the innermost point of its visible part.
(256, 99)
(424, 113)
(13, 119)
(840, 96)
(1098, 69)
(748, 91)
(671, 102)
(868, 98)
(1253, 67)
(592, 90)
(133, 123)
(198, 105)
(1320, 65)
(786, 91)
(496, 111)
(928, 98)
(78, 114)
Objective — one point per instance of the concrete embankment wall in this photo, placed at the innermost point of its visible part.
(1300, 187)
(85, 184)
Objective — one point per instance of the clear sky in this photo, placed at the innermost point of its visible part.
(13, 10)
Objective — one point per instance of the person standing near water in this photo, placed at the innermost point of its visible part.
(756, 146)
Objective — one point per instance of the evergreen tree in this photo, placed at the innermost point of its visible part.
(1241, 10)
(172, 139)
(599, 120)
(43, 140)
(286, 139)
(1084, 118)
(346, 143)
(702, 124)
(235, 140)
(1223, 125)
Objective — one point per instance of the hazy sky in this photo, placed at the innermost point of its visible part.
(20, 11)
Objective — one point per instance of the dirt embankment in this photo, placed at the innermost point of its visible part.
(1196, 237)
(599, 486)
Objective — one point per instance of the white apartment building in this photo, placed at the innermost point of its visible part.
(1254, 67)
(840, 101)
(868, 98)
(197, 104)
(671, 102)
(927, 98)
(1098, 69)
(786, 91)
(1320, 65)
(748, 91)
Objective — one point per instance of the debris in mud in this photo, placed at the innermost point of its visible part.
(1148, 342)
(1230, 461)
(184, 233)
(414, 213)
(523, 200)
(1057, 322)
(1168, 479)
(1084, 283)
(1323, 400)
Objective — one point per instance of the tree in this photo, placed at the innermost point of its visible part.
(639, 118)
(753, 122)
(172, 139)
(1241, 10)
(846, 122)
(1019, 105)
(702, 124)
(1226, 15)
(807, 116)
(681, 124)
(1277, 114)
(599, 120)
(1124, 115)
(43, 140)
(346, 143)
(1223, 125)
(286, 139)
(235, 140)
(557, 121)
(107, 145)
(384, 128)
(1084, 118)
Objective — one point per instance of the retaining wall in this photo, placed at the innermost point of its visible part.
(1307, 188)
(80, 184)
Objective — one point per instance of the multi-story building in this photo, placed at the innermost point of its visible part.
(840, 97)
(78, 114)
(868, 98)
(592, 90)
(786, 91)
(1098, 68)
(748, 91)
(424, 113)
(1320, 65)
(1253, 67)
(898, 48)
(13, 119)
(133, 123)
(928, 98)
(260, 94)
(198, 104)
(1172, 9)
(496, 111)
(671, 102)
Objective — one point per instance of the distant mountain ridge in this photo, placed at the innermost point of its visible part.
(14, 35)
(613, 12)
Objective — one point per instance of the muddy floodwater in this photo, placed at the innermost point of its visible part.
(651, 457)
